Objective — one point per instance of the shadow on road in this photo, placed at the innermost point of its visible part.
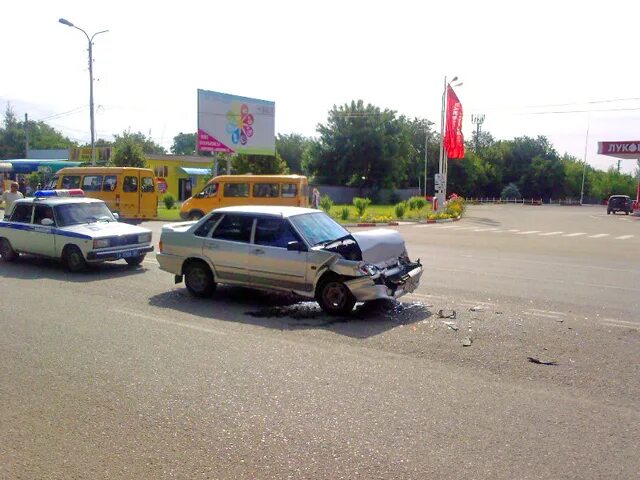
(290, 312)
(482, 221)
(27, 268)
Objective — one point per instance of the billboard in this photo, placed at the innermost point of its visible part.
(233, 124)
(623, 149)
(83, 154)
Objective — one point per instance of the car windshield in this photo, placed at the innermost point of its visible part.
(76, 213)
(318, 228)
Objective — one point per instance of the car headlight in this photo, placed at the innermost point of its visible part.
(144, 238)
(101, 242)
(368, 269)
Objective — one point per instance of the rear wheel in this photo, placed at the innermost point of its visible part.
(134, 261)
(7, 252)
(73, 259)
(334, 297)
(199, 279)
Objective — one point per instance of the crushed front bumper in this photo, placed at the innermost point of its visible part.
(386, 286)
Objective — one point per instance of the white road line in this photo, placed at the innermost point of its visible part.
(609, 324)
(547, 234)
(484, 229)
(429, 297)
(599, 235)
(528, 232)
(624, 322)
(168, 322)
(513, 231)
(624, 237)
(544, 315)
(550, 312)
(573, 234)
(498, 231)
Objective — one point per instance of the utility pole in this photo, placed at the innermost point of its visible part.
(478, 120)
(26, 135)
(426, 149)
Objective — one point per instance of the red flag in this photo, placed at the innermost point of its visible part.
(453, 139)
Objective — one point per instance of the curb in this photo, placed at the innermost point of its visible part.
(442, 220)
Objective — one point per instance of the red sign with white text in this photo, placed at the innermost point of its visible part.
(453, 139)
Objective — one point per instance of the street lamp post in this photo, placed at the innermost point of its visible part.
(91, 117)
(584, 166)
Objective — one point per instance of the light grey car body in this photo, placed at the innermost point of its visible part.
(383, 269)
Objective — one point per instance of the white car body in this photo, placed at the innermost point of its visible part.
(98, 241)
(371, 264)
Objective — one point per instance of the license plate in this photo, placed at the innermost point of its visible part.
(132, 253)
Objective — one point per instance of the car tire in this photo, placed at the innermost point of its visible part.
(73, 259)
(608, 212)
(199, 279)
(334, 297)
(134, 261)
(626, 213)
(7, 252)
(196, 215)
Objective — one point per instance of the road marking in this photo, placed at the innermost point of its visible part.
(624, 237)
(550, 233)
(484, 229)
(439, 227)
(544, 315)
(599, 235)
(612, 322)
(528, 232)
(168, 322)
(498, 231)
(513, 231)
(573, 234)
(550, 312)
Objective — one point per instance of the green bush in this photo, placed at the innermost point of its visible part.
(361, 205)
(326, 203)
(169, 201)
(344, 213)
(510, 191)
(400, 209)
(417, 203)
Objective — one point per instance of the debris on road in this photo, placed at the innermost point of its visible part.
(447, 313)
(477, 308)
(451, 325)
(467, 342)
(540, 362)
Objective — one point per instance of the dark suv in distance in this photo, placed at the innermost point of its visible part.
(619, 203)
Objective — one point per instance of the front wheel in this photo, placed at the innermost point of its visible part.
(196, 215)
(73, 259)
(199, 279)
(134, 261)
(7, 252)
(335, 298)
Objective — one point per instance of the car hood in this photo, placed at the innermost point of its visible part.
(104, 229)
(380, 247)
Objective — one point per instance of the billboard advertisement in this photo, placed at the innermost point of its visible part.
(233, 124)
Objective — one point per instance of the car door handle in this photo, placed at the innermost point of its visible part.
(258, 251)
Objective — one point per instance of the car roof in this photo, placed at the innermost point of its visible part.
(281, 211)
(58, 200)
(619, 196)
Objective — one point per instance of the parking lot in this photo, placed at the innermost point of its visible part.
(119, 373)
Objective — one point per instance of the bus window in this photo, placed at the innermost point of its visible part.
(92, 183)
(110, 183)
(147, 185)
(236, 189)
(289, 190)
(263, 190)
(130, 184)
(209, 191)
(71, 182)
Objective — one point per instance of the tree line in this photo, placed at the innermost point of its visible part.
(365, 146)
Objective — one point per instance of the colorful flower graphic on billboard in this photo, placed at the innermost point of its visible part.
(239, 123)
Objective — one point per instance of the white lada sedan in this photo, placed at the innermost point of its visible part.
(291, 249)
(65, 225)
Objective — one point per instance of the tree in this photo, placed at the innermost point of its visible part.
(128, 153)
(361, 146)
(184, 144)
(259, 164)
(291, 148)
(41, 136)
(146, 143)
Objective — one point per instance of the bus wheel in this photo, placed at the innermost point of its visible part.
(195, 215)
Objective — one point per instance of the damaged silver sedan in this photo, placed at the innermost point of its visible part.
(290, 249)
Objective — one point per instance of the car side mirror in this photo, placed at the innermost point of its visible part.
(116, 216)
(47, 222)
(296, 246)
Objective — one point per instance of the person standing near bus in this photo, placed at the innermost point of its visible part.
(315, 198)
(11, 196)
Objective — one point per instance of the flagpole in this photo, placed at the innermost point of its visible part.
(441, 164)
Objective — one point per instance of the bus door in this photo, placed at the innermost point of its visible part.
(148, 196)
(127, 198)
(110, 187)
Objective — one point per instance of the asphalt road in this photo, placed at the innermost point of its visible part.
(118, 373)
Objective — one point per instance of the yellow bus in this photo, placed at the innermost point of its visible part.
(129, 192)
(230, 190)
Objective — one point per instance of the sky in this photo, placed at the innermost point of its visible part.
(554, 68)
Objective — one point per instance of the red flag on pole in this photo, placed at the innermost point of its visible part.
(453, 139)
